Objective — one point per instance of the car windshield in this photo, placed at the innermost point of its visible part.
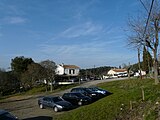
(79, 94)
(93, 89)
(88, 90)
(100, 89)
(56, 99)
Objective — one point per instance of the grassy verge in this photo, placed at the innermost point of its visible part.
(125, 103)
(42, 89)
(39, 90)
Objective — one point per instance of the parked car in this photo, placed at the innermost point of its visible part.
(57, 103)
(5, 115)
(100, 91)
(87, 92)
(77, 98)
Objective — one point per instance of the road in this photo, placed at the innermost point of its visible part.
(26, 107)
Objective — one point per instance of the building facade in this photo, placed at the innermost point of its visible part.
(67, 70)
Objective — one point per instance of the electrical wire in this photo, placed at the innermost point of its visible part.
(144, 6)
(148, 18)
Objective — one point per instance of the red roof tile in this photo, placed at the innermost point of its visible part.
(119, 70)
(71, 66)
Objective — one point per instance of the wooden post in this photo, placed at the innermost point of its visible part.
(131, 105)
(142, 93)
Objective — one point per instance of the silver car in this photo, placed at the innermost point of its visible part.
(56, 103)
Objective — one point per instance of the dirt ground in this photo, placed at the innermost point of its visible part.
(26, 107)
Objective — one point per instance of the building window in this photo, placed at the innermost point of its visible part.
(71, 71)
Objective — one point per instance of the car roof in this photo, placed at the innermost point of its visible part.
(73, 93)
(50, 96)
(78, 88)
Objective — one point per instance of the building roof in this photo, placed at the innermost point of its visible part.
(71, 66)
(119, 70)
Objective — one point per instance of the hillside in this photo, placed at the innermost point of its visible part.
(126, 103)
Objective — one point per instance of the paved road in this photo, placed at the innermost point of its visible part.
(25, 107)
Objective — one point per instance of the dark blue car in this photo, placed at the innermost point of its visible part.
(87, 92)
(76, 98)
(4, 115)
(100, 91)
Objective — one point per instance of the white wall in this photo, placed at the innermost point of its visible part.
(59, 70)
(111, 72)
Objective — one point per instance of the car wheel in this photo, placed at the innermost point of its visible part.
(79, 103)
(41, 106)
(55, 109)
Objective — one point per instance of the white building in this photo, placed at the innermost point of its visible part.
(67, 70)
(117, 72)
(143, 73)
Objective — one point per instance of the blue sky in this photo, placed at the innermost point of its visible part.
(80, 32)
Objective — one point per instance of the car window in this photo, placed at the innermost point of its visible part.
(45, 99)
(70, 95)
(79, 90)
(65, 95)
(76, 90)
(93, 89)
(56, 99)
(79, 95)
(73, 90)
(88, 90)
(49, 99)
(73, 95)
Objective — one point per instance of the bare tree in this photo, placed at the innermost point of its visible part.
(135, 39)
(152, 39)
(49, 67)
(146, 33)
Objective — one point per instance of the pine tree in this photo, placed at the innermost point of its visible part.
(147, 60)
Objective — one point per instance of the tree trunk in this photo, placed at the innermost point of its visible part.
(156, 25)
(51, 86)
(155, 67)
(139, 65)
(129, 74)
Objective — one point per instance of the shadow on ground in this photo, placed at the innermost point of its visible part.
(39, 118)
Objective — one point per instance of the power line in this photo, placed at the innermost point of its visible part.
(148, 17)
(144, 6)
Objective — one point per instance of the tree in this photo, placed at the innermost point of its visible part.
(146, 33)
(49, 73)
(152, 38)
(19, 65)
(8, 83)
(147, 61)
(33, 73)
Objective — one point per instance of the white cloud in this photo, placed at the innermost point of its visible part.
(11, 13)
(80, 30)
(86, 55)
(14, 20)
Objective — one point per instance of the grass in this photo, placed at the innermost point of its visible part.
(125, 103)
(41, 89)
